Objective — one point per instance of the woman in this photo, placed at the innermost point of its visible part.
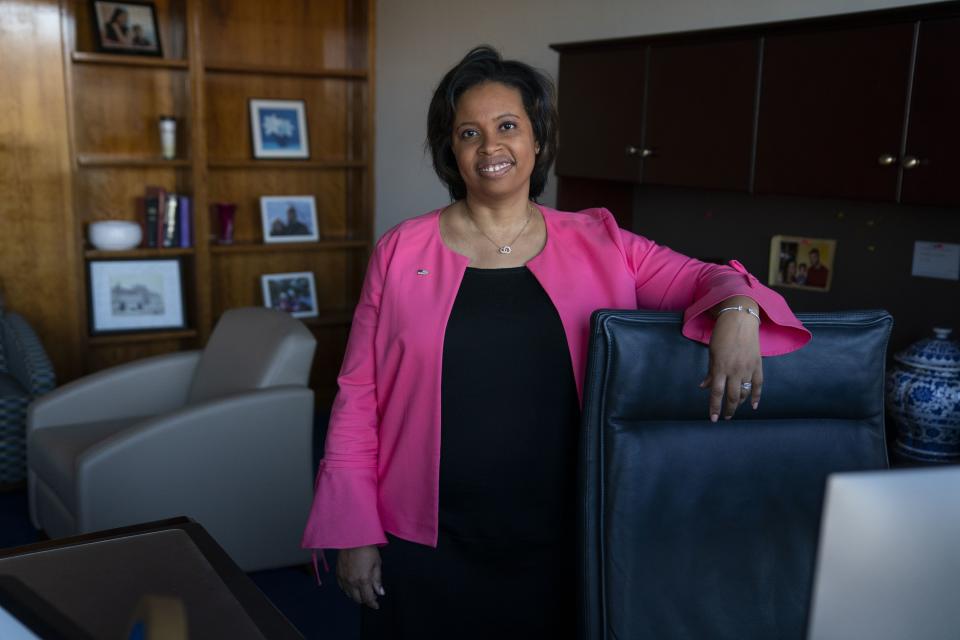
(476, 317)
(116, 29)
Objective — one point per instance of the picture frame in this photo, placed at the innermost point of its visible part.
(135, 295)
(289, 219)
(294, 293)
(128, 28)
(279, 129)
(797, 262)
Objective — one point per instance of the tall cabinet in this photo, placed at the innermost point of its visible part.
(217, 56)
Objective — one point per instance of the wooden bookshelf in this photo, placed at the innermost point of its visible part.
(217, 57)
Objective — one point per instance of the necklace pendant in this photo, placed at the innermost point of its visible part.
(505, 249)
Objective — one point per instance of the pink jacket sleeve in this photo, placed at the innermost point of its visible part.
(669, 281)
(345, 499)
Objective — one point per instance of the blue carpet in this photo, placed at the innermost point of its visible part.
(319, 612)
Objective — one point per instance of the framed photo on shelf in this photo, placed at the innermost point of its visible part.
(289, 218)
(802, 263)
(127, 27)
(295, 293)
(135, 295)
(279, 129)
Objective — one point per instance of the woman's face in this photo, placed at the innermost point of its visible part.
(493, 141)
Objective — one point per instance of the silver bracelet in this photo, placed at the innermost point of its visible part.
(743, 308)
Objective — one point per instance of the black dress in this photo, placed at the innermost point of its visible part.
(504, 563)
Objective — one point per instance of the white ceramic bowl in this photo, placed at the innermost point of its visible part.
(114, 235)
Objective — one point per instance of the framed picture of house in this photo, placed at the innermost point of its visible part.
(295, 293)
(289, 218)
(279, 129)
(127, 28)
(135, 295)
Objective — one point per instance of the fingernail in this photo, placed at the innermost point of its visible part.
(755, 405)
(727, 417)
(382, 592)
(713, 417)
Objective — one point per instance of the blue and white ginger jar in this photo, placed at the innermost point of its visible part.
(923, 398)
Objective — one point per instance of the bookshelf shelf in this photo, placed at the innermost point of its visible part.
(110, 59)
(147, 336)
(273, 70)
(280, 247)
(288, 164)
(96, 254)
(130, 161)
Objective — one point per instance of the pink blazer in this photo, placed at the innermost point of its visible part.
(381, 466)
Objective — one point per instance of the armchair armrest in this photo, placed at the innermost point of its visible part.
(203, 462)
(142, 388)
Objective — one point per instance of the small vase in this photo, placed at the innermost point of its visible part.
(923, 398)
(226, 212)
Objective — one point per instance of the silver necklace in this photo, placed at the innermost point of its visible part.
(503, 249)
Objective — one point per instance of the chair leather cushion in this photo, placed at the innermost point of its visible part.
(53, 452)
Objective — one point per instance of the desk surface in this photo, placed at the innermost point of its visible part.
(97, 580)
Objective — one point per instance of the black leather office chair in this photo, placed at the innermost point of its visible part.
(700, 530)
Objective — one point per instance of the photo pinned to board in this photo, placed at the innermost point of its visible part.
(798, 262)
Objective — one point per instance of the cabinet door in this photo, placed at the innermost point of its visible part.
(600, 99)
(931, 165)
(699, 121)
(832, 111)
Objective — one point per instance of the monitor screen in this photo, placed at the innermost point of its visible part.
(888, 563)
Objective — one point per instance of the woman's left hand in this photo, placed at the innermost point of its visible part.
(734, 362)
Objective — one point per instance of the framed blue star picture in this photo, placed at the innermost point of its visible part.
(279, 129)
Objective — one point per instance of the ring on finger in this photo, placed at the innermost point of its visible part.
(746, 386)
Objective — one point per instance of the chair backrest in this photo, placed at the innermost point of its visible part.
(692, 529)
(253, 348)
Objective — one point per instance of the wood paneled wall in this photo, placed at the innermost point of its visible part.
(38, 261)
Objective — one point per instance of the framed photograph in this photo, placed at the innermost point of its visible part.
(802, 263)
(289, 218)
(279, 129)
(135, 295)
(127, 27)
(295, 293)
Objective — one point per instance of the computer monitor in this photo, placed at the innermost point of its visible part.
(888, 563)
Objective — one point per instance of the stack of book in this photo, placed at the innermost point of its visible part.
(166, 218)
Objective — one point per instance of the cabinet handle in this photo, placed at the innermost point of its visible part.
(911, 162)
(886, 160)
(632, 150)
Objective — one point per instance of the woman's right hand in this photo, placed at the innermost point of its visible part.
(358, 573)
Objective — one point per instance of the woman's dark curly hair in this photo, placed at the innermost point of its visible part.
(484, 64)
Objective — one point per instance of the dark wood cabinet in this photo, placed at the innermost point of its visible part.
(832, 109)
(601, 107)
(931, 165)
(700, 114)
(862, 106)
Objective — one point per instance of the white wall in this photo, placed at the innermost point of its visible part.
(419, 40)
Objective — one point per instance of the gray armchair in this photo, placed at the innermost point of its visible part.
(25, 374)
(223, 436)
